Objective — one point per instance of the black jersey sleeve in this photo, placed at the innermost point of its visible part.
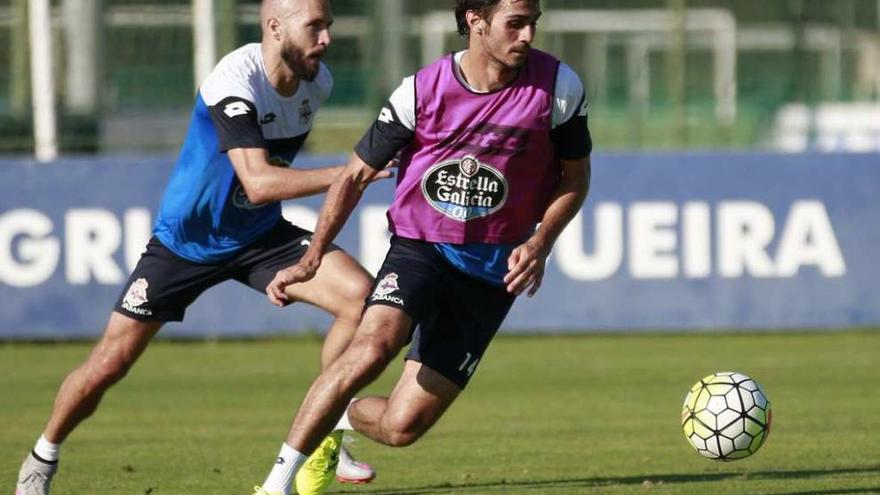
(235, 120)
(384, 139)
(572, 138)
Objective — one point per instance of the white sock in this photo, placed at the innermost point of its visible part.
(344, 423)
(280, 478)
(47, 450)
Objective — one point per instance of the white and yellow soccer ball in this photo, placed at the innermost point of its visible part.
(726, 416)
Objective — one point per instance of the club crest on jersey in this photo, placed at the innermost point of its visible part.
(136, 296)
(305, 112)
(278, 161)
(241, 200)
(239, 195)
(385, 288)
(465, 188)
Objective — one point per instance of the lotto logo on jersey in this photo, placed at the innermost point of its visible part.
(386, 116)
(235, 109)
(464, 189)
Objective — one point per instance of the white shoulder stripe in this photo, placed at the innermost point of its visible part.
(403, 101)
(233, 76)
(569, 99)
(569, 96)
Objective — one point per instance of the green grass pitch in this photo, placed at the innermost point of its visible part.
(544, 415)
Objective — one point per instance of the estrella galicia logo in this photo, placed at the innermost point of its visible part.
(465, 188)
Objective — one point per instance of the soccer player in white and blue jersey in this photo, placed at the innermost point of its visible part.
(220, 219)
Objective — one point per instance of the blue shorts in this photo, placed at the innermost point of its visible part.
(455, 315)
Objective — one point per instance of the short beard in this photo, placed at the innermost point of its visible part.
(515, 66)
(295, 60)
(511, 66)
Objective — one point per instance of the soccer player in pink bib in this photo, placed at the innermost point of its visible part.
(494, 162)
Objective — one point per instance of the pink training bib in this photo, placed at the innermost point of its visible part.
(481, 167)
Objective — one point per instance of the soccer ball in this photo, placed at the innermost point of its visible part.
(726, 416)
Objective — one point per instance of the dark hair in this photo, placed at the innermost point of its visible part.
(483, 7)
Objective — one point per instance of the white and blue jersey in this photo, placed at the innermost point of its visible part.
(205, 215)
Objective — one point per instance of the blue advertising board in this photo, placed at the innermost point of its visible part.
(675, 241)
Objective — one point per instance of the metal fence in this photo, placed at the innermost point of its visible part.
(728, 74)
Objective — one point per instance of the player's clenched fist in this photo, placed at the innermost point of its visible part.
(301, 272)
(526, 268)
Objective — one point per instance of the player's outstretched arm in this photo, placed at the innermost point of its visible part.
(342, 198)
(526, 262)
(266, 183)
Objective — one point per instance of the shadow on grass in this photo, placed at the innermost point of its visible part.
(649, 480)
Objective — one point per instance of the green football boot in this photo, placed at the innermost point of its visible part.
(319, 470)
(258, 490)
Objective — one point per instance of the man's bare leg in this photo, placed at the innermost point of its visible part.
(419, 399)
(383, 332)
(123, 342)
(339, 287)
